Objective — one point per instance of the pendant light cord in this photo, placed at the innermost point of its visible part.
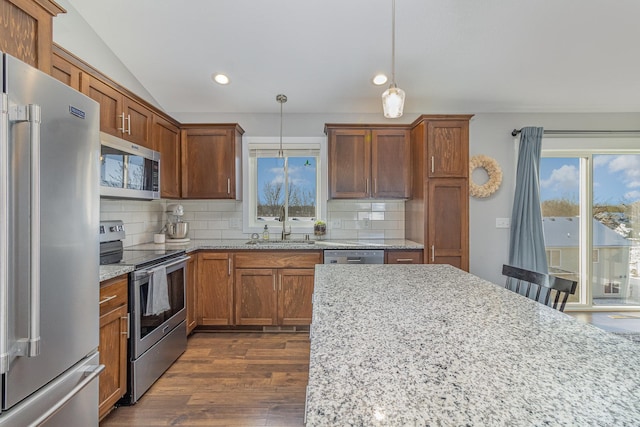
(393, 42)
(281, 99)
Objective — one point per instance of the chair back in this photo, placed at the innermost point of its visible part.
(544, 288)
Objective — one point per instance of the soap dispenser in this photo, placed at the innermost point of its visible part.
(265, 233)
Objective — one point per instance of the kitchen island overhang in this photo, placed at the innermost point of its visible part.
(433, 345)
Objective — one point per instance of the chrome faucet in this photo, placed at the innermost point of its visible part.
(282, 219)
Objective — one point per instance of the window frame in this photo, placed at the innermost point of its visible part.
(249, 178)
(584, 148)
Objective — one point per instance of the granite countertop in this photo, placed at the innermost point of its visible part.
(110, 271)
(418, 345)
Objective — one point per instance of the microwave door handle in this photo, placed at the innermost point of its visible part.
(4, 235)
(31, 114)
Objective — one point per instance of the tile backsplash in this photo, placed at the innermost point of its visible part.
(222, 219)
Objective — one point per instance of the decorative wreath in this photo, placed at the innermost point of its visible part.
(492, 168)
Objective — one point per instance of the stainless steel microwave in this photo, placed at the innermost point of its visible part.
(127, 170)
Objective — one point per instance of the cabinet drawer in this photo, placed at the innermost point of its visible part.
(403, 257)
(113, 294)
(277, 259)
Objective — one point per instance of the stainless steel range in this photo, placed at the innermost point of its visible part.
(156, 307)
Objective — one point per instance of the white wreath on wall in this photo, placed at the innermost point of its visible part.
(492, 168)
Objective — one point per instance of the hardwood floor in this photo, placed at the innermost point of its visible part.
(227, 379)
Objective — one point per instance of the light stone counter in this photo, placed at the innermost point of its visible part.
(241, 244)
(115, 270)
(110, 271)
(431, 345)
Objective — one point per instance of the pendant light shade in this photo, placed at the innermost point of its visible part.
(393, 102)
(393, 98)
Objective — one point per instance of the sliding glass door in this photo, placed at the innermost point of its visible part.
(591, 213)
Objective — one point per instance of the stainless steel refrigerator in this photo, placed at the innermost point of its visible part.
(49, 253)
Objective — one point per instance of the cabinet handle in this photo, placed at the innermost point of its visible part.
(274, 283)
(432, 164)
(126, 319)
(433, 253)
(404, 260)
(280, 283)
(128, 124)
(228, 185)
(366, 186)
(107, 299)
(121, 128)
(375, 186)
(229, 265)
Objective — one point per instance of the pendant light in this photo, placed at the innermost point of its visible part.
(393, 98)
(281, 99)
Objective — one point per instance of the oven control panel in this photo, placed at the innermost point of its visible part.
(111, 231)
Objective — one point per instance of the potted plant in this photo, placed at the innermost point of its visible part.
(319, 228)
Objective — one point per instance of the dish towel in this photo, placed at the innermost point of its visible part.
(158, 295)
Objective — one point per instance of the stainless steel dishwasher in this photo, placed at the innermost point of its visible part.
(343, 256)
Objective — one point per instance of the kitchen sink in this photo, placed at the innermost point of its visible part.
(281, 242)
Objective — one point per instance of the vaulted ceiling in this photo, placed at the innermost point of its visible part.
(451, 55)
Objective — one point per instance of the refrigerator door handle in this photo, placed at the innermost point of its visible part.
(4, 234)
(91, 373)
(31, 114)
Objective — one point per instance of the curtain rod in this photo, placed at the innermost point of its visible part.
(515, 132)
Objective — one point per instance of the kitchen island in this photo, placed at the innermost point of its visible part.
(420, 345)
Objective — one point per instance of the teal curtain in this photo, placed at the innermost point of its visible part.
(526, 243)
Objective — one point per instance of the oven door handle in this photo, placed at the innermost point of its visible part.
(167, 265)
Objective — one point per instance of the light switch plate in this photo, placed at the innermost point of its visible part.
(503, 222)
(234, 223)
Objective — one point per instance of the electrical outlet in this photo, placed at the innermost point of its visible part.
(503, 223)
(336, 223)
(366, 223)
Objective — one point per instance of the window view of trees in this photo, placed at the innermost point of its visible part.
(301, 188)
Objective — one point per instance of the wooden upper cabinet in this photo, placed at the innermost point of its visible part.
(211, 161)
(369, 162)
(120, 115)
(65, 71)
(447, 148)
(138, 119)
(26, 30)
(166, 140)
(390, 163)
(349, 163)
(110, 100)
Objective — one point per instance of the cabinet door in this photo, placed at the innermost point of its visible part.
(215, 289)
(110, 100)
(113, 355)
(295, 290)
(137, 123)
(448, 148)
(65, 71)
(390, 163)
(256, 302)
(448, 222)
(191, 294)
(166, 140)
(349, 163)
(208, 164)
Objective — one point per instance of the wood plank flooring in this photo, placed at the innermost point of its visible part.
(227, 379)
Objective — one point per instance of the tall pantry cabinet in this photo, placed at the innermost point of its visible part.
(438, 213)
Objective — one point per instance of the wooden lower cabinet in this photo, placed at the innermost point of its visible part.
(214, 289)
(114, 331)
(403, 256)
(274, 288)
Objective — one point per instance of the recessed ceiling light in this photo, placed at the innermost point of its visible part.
(379, 79)
(221, 79)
